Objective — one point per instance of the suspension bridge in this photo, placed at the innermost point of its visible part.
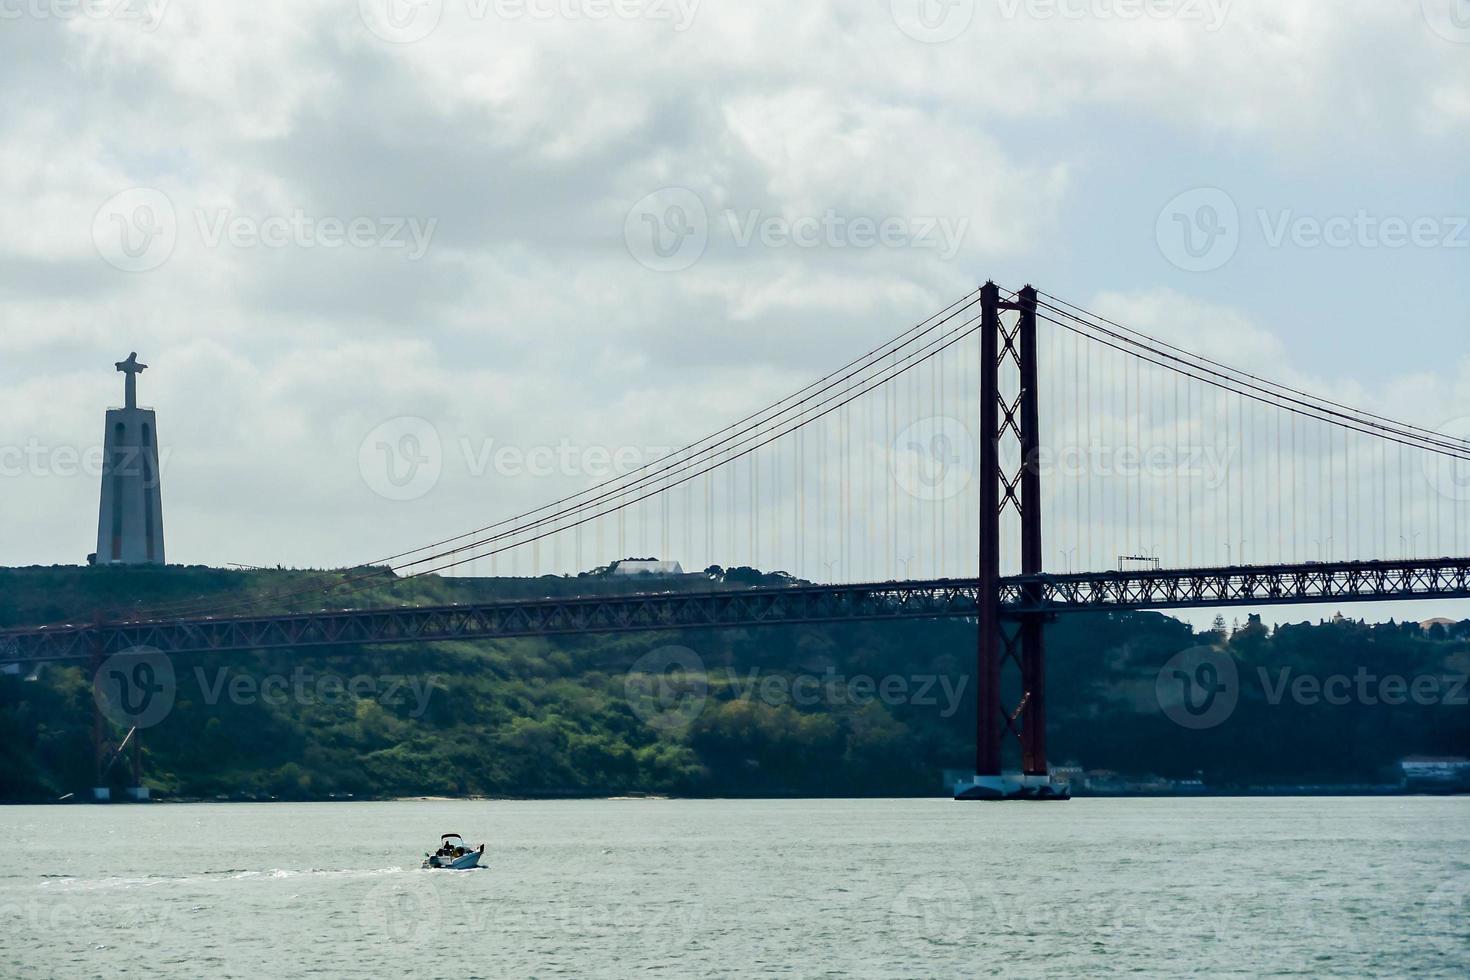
(912, 483)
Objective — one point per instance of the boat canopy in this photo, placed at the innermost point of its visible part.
(447, 836)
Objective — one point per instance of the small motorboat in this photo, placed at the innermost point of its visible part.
(454, 854)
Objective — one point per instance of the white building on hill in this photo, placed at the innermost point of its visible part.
(662, 569)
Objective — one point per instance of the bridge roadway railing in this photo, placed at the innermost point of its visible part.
(1244, 585)
(1447, 578)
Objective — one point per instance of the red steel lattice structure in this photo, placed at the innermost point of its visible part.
(1009, 641)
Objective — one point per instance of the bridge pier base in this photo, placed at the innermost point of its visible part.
(1012, 786)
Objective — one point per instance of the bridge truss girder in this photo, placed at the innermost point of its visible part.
(1445, 578)
(1020, 596)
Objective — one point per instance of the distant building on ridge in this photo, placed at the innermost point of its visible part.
(647, 566)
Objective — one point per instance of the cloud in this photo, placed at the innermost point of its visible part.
(527, 141)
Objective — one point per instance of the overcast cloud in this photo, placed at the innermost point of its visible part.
(312, 217)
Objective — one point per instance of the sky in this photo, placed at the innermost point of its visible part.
(618, 225)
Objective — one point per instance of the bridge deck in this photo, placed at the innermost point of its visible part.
(1339, 582)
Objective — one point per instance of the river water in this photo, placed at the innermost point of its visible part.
(880, 888)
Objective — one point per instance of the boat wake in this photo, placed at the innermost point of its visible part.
(73, 883)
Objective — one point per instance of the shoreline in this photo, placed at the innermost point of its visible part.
(1293, 792)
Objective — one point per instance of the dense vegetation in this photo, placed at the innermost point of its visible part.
(856, 709)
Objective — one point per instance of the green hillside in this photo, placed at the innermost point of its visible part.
(855, 709)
